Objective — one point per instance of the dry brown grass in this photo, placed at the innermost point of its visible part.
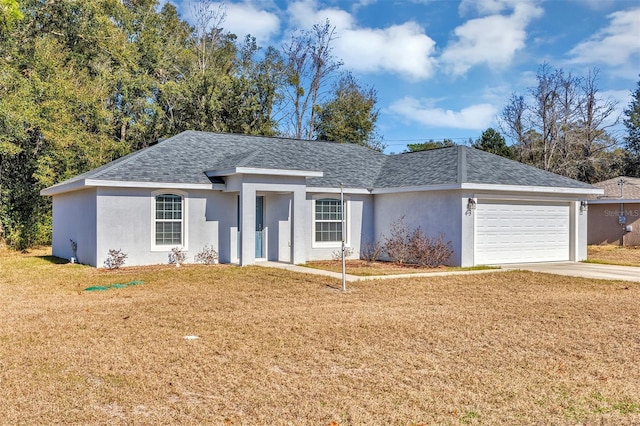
(614, 255)
(364, 268)
(513, 348)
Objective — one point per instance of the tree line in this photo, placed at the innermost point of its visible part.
(85, 82)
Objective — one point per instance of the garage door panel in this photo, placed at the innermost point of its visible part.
(511, 232)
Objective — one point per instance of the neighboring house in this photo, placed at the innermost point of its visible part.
(614, 217)
(278, 199)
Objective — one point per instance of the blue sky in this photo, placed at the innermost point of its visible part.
(446, 68)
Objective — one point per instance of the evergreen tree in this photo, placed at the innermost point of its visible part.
(493, 142)
(430, 144)
(632, 140)
(350, 116)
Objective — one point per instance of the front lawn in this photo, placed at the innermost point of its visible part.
(275, 347)
(367, 269)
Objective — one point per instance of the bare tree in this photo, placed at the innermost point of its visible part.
(208, 21)
(310, 65)
(563, 127)
(512, 124)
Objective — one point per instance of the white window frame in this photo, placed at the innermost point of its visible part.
(184, 221)
(347, 221)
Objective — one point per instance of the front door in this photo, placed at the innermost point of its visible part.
(259, 227)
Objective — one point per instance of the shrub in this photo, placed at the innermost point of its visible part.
(404, 246)
(398, 244)
(115, 259)
(429, 251)
(337, 255)
(370, 251)
(207, 255)
(177, 256)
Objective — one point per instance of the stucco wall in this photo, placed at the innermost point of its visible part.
(605, 229)
(124, 222)
(359, 225)
(74, 218)
(435, 212)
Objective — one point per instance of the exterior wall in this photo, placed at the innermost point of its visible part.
(605, 229)
(74, 218)
(124, 221)
(435, 212)
(359, 220)
(579, 239)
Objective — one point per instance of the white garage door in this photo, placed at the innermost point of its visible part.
(515, 232)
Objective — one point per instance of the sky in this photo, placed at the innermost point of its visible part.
(447, 68)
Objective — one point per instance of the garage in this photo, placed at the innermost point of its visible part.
(517, 232)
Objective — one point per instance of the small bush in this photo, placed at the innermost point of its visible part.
(404, 246)
(429, 251)
(115, 259)
(177, 256)
(337, 255)
(398, 244)
(370, 251)
(207, 255)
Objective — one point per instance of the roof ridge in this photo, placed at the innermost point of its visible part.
(462, 164)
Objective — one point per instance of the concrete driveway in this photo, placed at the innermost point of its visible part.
(579, 269)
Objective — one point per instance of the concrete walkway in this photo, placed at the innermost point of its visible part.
(580, 269)
(353, 278)
(573, 269)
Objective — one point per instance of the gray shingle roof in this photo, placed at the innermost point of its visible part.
(186, 157)
(461, 164)
(612, 191)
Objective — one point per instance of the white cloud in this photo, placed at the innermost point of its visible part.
(493, 7)
(474, 117)
(245, 18)
(492, 40)
(617, 44)
(401, 49)
(241, 19)
(305, 13)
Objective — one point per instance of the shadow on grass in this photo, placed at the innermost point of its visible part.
(53, 259)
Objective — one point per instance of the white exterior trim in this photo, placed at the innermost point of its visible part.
(517, 197)
(330, 190)
(260, 171)
(86, 183)
(346, 232)
(185, 220)
(490, 187)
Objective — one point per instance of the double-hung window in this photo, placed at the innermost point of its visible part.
(328, 220)
(169, 220)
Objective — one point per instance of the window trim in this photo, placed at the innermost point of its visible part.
(184, 221)
(347, 221)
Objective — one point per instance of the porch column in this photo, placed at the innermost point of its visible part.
(301, 228)
(247, 225)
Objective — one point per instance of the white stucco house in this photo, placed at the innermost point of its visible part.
(254, 198)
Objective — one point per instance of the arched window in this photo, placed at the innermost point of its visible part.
(168, 218)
